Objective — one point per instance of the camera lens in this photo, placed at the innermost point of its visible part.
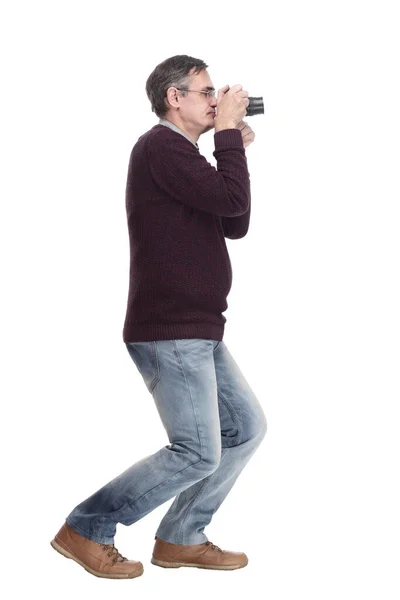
(255, 107)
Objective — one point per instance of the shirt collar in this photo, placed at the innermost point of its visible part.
(175, 128)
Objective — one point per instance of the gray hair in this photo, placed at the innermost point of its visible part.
(172, 72)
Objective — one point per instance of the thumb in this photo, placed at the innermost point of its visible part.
(222, 92)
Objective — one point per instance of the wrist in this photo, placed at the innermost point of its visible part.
(220, 125)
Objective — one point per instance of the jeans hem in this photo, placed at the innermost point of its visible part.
(93, 538)
(183, 542)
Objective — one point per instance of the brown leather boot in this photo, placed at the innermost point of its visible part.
(102, 560)
(202, 556)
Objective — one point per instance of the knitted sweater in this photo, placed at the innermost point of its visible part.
(180, 209)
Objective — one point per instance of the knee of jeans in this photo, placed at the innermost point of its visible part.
(259, 434)
(263, 429)
(264, 426)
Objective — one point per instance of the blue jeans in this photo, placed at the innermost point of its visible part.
(214, 423)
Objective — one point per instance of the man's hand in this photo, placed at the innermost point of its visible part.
(248, 134)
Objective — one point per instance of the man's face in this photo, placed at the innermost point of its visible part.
(198, 110)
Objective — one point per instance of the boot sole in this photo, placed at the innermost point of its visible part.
(67, 554)
(175, 565)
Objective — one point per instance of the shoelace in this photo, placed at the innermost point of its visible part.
(118, 556)
(213, 546)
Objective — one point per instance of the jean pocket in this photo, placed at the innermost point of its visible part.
(144, 355)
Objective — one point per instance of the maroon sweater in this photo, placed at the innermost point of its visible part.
(180, 209)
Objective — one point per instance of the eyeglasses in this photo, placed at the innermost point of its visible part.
(209, 93)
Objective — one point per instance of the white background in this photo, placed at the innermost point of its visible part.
(313, 317)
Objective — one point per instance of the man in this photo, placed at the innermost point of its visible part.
(180, 209)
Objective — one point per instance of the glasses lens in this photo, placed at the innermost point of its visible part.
(211, 94)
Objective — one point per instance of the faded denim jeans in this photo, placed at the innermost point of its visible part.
(214, 423)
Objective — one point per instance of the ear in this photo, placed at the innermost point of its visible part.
(173, 97)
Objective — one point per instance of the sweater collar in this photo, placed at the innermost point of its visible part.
(175, 128)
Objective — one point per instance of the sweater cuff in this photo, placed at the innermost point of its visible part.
(228, 138)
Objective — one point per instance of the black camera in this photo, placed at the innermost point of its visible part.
(255, 107)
